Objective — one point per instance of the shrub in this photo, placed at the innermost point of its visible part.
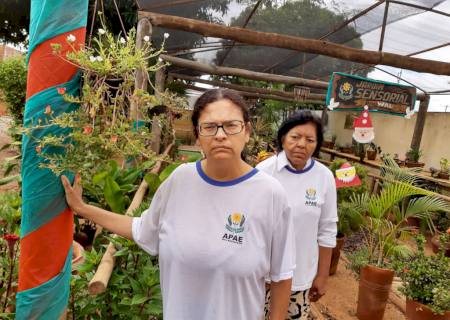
(13, 82)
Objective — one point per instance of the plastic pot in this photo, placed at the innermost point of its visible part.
(336, 253)
(374, 287)
(417, 311)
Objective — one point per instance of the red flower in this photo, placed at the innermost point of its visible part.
(61, 90)
(38, 149)
(114, 139)
(405, 270)
(11, 239)
(448, 231)
(87, 129)
(48, 109)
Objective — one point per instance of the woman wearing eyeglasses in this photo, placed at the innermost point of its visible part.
(219, 226)
(311, 192)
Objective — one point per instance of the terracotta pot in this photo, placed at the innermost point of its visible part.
(413, 164)
(418, 311)
(443, 175)
(336, 253)
(436, 243)
(371, 154)
(374, 287)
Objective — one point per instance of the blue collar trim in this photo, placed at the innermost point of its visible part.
(288, 168)
(224, 183)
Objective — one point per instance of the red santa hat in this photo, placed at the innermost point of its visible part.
(364, 120)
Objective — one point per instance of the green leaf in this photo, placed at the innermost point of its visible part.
(10, 179)
(167, 171)
(5, 146)
(99, 177)
(138, 299)
(122, 252)
(153, 182)
(113, 195)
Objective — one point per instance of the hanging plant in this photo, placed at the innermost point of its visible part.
(104, 126)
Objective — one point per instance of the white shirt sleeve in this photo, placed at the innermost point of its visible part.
(145, 229)
(283, 247)
(328, 217)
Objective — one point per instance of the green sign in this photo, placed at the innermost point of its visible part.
(347, 91)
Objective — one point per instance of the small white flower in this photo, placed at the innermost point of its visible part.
(99, 59)
(146, 38)
(92, 59)
(71, 38)
(160, 60)
(166, 35)
(122, 40)
(101, 31)
(6, 21)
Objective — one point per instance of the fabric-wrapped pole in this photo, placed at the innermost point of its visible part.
(47, 222)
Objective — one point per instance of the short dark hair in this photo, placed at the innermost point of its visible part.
(214, 95)
(299, 118)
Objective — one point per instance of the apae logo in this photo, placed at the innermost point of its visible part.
(311, 198)
(235, 226)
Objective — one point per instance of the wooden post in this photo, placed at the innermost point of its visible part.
(144, 28)
(226, 71)
(298, 44)
(281, 93)
(160, 81)
(420, 123)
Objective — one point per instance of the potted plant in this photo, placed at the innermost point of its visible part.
(372, 151)
(438, 245)
(349, 220)
(426, 283)
(385, 214)
(347, 148)
(412, 158)
(444, 172)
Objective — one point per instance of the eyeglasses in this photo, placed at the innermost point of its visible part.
(209, 129)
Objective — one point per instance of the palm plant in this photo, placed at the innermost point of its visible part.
(387, 212)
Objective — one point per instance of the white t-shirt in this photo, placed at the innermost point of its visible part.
(311, 195)
(216, 242)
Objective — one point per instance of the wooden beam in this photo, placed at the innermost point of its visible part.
(420, 123)
(258, 95)
(297, 43)
(144, 28)
(226, 71)
(281, 93)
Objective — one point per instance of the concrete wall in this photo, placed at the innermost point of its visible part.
(393, 134)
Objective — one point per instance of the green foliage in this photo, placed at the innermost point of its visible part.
(426, 279)
(13, 81)
(387, 212)
(444, 165)
(414, 154)
(349, 218)
(357, 260)
(344, 194)
(103, 127)
(112, 187)
(10, 212)
(133, 290)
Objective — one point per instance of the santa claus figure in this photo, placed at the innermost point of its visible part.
(346, 176)
(364, 132)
